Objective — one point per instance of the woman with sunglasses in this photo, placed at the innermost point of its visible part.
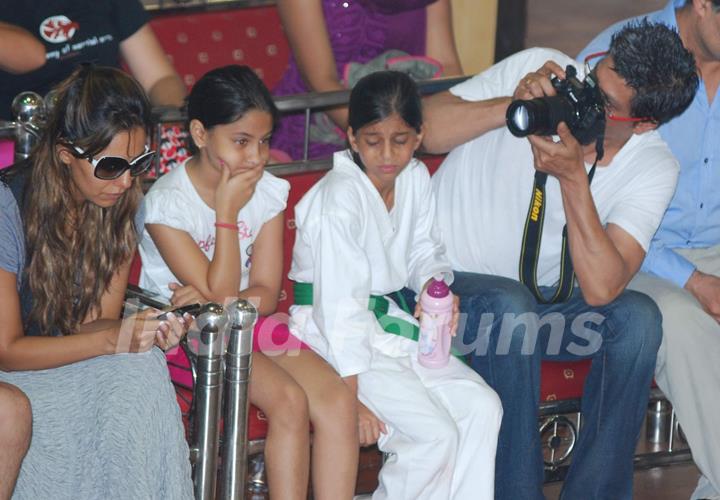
(105, 420)
(215, 230)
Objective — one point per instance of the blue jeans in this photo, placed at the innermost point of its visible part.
(622, 339)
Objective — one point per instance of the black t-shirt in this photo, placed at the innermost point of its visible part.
(73, 31)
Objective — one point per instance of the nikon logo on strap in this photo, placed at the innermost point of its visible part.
(530, 251)
(537, 203)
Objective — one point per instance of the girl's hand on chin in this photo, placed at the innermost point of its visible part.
(234, 191)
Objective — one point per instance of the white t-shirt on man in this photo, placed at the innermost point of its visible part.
(483, 187)
(173, 201)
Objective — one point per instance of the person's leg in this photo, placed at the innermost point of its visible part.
(422, 438)
(688, 373)
(287, 443)
(622, 338)
(15, 427)
(333, 414)
(477, 413)
(506, 358)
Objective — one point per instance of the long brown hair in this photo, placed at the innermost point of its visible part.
(74, 250)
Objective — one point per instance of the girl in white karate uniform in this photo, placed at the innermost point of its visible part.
(368, 229)
(214, 229)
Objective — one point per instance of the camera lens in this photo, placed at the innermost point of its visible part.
(520, 118)
(538, 116)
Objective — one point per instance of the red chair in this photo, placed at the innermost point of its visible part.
(199, 41)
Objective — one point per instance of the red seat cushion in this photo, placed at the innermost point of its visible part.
(200, 41)
(299, 185)
(563, 380)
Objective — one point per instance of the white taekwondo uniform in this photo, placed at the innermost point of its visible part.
(442, 423)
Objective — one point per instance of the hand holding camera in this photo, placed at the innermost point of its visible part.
(539, 83)
(538, 108)
(563, 160)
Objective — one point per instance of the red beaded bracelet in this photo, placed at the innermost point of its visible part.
(227, 225)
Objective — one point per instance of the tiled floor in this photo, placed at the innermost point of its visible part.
(663, 483)
(568, 25)
(676, 482)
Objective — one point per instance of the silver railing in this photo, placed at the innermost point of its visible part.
(174, 5)
(306, 104)
(208, 390)
(30, 110)
(238, 364)
(221, 353)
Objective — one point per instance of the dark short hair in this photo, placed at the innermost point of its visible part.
(223, 95)
(382, 94)
(651, 58)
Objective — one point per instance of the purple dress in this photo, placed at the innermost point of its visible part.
(359, 31)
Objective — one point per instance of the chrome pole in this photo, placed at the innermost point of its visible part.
(28, 108)
(238, 364)
(211, 323)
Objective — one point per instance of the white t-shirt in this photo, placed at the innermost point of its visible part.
(349, 246)
(174, 202)
(483, 187)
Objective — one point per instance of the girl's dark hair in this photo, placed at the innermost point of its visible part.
(75, 250)
(380, 95)
(225, 94)
(384, 93)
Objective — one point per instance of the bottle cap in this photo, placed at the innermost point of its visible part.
(438, 288)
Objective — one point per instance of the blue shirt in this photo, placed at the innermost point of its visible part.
(693, 218)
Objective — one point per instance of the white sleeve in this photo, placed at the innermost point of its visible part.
(647, 197)
(502, 78)
(427, 252)
(274, 195)
(341, 292)
(168, 207)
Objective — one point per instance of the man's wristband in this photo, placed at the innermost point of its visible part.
(227, 225)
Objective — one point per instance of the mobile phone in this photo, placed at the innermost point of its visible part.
(192, 309)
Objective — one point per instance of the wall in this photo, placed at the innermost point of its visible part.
(474, 25)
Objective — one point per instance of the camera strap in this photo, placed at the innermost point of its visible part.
(532, 237)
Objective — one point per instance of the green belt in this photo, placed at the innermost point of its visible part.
(379, 306)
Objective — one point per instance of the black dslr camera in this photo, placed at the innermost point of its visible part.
(578, 104)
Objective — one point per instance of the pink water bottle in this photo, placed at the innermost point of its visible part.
(437, 310)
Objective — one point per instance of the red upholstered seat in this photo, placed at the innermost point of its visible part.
(199, 41)
(299, 185)
(562, 380)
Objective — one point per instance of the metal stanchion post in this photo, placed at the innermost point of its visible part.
(29, 111)
(238, 363)
(211, 322)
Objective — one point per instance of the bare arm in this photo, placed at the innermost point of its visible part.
(304, 24)
(100, 334)
(440, 39)
(451, 121)
(604, 259)
(219, 278)
(20, 51)
(151, 67)
(215, 280)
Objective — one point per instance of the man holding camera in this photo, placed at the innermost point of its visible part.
(682, 269)
(593, 198)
